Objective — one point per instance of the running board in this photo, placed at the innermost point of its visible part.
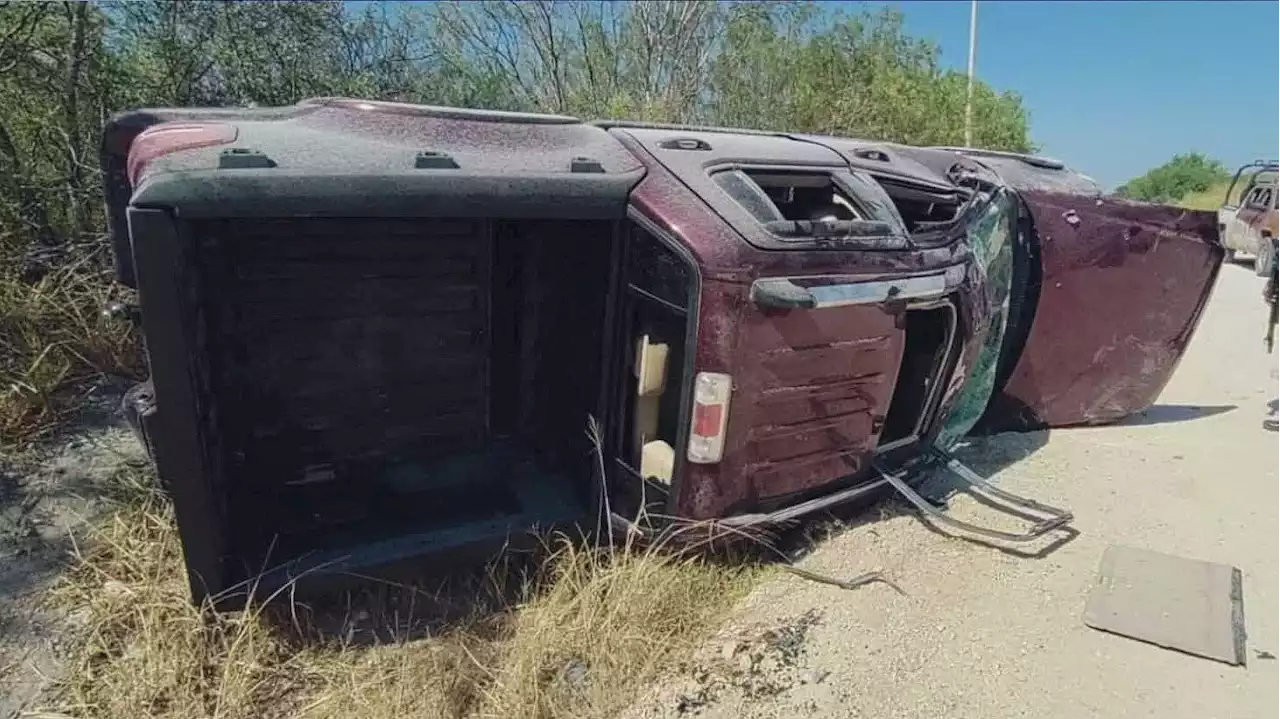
(1055, 518)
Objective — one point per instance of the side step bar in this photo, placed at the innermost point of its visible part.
(1054, 518)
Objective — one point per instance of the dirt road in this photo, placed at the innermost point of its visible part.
(986, 634)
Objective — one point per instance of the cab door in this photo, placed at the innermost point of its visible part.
(1122, 288)
(1254, 218)
(1242, 233)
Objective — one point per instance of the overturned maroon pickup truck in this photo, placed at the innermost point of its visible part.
(379, 331)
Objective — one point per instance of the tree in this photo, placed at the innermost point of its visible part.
(65, 66)
(191, 52)
(774, 66)
(645, 60)
(1181, 176)
(53, 64)
(797, 68)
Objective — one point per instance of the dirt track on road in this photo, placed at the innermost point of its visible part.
(989, 634)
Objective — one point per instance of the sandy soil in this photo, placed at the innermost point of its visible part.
(989, 634)
(45, 495)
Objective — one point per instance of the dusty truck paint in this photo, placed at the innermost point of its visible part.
(1115, 293)
(376, 331)
(819, 380)
(118, 138)
(1121, 294)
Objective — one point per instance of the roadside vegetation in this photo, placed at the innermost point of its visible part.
(574, 631)
(1192, 180)
(583, 628)
(1214, 197)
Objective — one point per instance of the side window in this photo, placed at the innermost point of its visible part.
(1253, 199)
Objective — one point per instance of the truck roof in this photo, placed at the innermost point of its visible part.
(401, 156)
(398, 152)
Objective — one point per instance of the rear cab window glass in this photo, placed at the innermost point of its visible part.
(1260, 197)
(787, 201)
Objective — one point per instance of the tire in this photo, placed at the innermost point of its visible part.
(139, 403)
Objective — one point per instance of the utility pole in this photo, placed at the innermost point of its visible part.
(973, 51)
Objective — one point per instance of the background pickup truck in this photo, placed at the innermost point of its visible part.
(1248, 212)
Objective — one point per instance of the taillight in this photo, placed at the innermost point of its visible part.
(167, 137)
(711, 392)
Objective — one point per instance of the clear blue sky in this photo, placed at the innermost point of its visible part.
(1115, 88)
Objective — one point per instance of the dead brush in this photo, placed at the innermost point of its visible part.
(579, 635)
(597, 619)
(589, 629)
(142, 648)
(53, 337)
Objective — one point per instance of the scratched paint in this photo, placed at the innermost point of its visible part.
(1123, 290)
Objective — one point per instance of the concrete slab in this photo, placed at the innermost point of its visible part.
(1184, 604)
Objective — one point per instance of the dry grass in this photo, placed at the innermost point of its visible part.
(1212, 198)
(579, 639)
(607, 624)
(53, 336)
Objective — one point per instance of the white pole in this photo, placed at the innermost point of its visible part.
(973, 51)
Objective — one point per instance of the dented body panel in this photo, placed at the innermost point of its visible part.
(1123, 288)
(377, 330)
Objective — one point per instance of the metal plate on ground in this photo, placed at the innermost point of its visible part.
(1184, 604)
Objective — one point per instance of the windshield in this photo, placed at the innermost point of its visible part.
(991, 237)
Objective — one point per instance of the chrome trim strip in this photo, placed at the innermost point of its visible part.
(796, 511)
(798, 293)
(914, 288)
(897, 443)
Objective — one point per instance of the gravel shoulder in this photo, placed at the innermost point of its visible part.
(989, 633)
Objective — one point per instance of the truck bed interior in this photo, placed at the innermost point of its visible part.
(397, 386)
